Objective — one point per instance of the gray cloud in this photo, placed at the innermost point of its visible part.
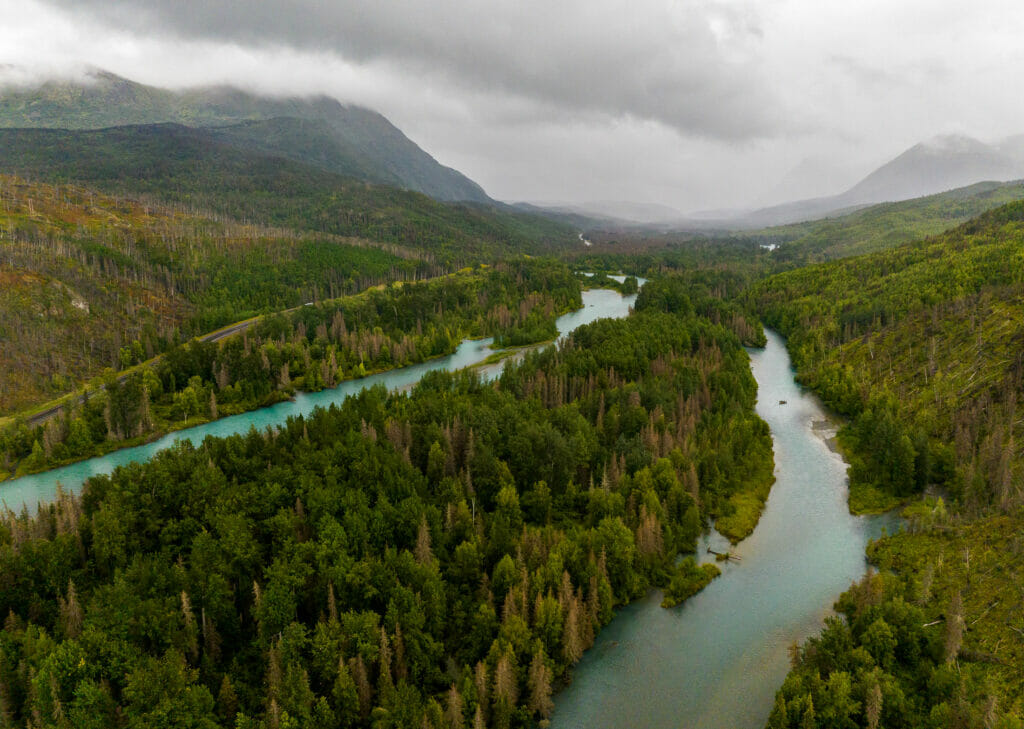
(687, 65)
(864, 74)
(689, 103)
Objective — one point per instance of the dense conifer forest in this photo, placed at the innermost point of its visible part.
(921, 347)
(436, 558)
(443, 557)
(308, 348)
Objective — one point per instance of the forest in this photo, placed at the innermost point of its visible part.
(86, 275)
(921, 348)
(434, 558)
(443, 557)
(308, 348)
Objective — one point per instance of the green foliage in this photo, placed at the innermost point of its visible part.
(920, 346)
(930, 644)
(309, 348)
(687, 580)
(458, 545)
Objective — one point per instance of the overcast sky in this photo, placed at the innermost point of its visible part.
(693, 104)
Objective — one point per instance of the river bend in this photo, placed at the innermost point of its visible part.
(718, 660)
(42, 487)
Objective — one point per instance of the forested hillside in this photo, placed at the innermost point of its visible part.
(923, 348)
(92, 281)
(884, 226)
(348, 140)
(309, 348)
(195, 170)
(439, 558)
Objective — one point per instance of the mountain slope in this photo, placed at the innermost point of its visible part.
(883, 226)
(194, 168)
(921, 346)
(355, 141)
(942, 164)
(88, 280)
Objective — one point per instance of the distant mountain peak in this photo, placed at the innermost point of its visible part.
(942, 163)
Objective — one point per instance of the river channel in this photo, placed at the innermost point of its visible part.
(42, 487)
(717, 661)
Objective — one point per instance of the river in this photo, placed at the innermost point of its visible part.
(717, 661)
(41, 487)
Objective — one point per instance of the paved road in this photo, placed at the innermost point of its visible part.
(43, 416)
(233, 329)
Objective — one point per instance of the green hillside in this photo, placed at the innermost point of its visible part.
(884, 226)
(195, 170)
(357, 141)
(922, 347)
(85, 276)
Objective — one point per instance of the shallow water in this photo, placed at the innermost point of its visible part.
(717, 661)
(41, 487)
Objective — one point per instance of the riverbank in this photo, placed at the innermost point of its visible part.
(42, 487)
(718, 660)
(163, 421)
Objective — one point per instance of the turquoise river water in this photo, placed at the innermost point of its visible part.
(41, 487)
(716, 661)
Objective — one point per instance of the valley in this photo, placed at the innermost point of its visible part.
(301, 428)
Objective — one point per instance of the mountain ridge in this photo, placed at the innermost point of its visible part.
(941, 164)
(192, 168)
(357, 141)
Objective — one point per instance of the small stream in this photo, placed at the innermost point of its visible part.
(717, 661)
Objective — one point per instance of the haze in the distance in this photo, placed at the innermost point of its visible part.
(695, 104)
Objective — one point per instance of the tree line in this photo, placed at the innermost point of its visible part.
(920, 347)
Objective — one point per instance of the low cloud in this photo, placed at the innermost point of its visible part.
(689, 65)
(690, 103)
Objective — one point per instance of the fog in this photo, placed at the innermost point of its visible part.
(694, 105)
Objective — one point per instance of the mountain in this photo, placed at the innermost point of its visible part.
(196, 170)
(941, 164)
(885, 225)
(349, 140)
(944, 163)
